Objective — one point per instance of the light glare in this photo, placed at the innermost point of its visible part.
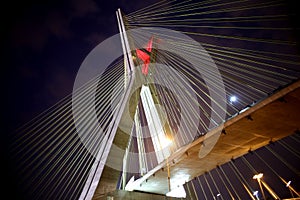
(258, 176)
(178, 192)
(233, 99)
(288, 184)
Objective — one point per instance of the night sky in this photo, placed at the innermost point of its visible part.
(43, 46)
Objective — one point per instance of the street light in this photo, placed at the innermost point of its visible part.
(255, 193)
(233, 99)
(288, 185)
(291, 189)
(166, 142)
(169, 175)
(258, 177)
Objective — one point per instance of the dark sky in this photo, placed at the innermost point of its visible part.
(43, 46)
(45, 43)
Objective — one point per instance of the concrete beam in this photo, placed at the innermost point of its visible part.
(268, 120)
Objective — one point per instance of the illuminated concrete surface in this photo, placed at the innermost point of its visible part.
(269, 120)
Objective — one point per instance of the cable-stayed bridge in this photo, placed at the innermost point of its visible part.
(153, 108)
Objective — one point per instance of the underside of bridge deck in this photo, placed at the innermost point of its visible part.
(269, 120)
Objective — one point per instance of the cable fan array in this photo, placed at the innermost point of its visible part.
(234, 180)
(51, 159)
(250, 43)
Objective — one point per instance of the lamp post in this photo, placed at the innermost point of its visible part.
(274, 195)
(255, 193)
(288, 186)
(166, 142)
(291, 189)
(258, 177)
(169, 175)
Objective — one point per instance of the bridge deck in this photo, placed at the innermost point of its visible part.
(271, 119)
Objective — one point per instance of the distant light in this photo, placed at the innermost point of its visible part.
(178, 192)
(255, 193)
(288, 184)
(218, 195)
(258, 176)
(233, 99)
(165, 142)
